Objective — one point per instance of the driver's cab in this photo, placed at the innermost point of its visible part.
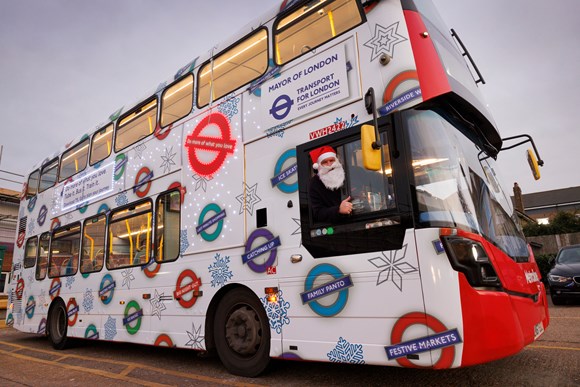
(375, 221)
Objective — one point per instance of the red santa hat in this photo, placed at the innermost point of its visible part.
(318, 155)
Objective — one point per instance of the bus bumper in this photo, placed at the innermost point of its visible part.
(497, 324)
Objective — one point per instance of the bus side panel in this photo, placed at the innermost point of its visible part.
(443, 304)
(386, 35)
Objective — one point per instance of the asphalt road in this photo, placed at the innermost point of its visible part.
(29, 360)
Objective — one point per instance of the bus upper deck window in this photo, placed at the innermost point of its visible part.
(48, 175)
(177, 101)
(136, 125)
(312, 25)
(32, 186)
(74, 160)
(233, 68)
(102, 144)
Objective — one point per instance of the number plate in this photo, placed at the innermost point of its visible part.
(538, 330)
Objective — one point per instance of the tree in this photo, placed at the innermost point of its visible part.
(562, 223)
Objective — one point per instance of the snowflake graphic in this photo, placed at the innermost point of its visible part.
(277, 312)
(347, 124)
(385, 40)
(184, 243)
(157, 305)
(127, 277)
(168, 160)
(195, 338)
(88, 299)
(298, 230)
(229, 107)
(278, 130)
(121, 199)
(201, 182)
(70, 281)
(41, 298)
(248, 199)
(345, 352)
(69, 216)
(393, 267)
(220, 271)
(30, 278)
(139, 149)
(110, 328)
(31, 226)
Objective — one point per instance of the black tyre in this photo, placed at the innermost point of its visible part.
(58, 326)
(242, 333)
(556, 300)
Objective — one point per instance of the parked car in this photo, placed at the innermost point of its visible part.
(564, 276)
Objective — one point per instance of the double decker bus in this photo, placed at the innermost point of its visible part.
(186, 220)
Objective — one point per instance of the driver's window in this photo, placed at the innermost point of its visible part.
(93, 253)
(370, 191)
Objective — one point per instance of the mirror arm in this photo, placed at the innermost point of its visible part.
(371, 107)
(528, 139)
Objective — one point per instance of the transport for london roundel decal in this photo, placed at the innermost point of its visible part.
(440, 337)
(326, 290)
(210, 144)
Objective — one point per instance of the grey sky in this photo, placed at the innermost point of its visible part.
(66, 65)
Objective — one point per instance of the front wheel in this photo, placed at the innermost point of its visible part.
(556, 300)
(57, 326)
(242, 333)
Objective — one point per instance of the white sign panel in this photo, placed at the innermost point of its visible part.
(305, 88)
(88, 187)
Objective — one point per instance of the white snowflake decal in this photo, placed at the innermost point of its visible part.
(184, 242)
(220, 271)
(127, 277)
(229, 107)
(195, 338)
(393, 267)
(157, 305)
(168, 160)
(277, 312)
(88, 299)
(110, 328)
(345, 352)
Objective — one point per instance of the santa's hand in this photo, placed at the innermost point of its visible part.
(345, 207)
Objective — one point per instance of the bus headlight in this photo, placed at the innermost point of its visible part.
(470, 258)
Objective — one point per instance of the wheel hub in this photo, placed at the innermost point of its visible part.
(243, 332)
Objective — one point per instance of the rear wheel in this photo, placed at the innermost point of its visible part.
(242, 333)
(58, 326)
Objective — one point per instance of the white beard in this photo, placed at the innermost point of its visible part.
(333, 176)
